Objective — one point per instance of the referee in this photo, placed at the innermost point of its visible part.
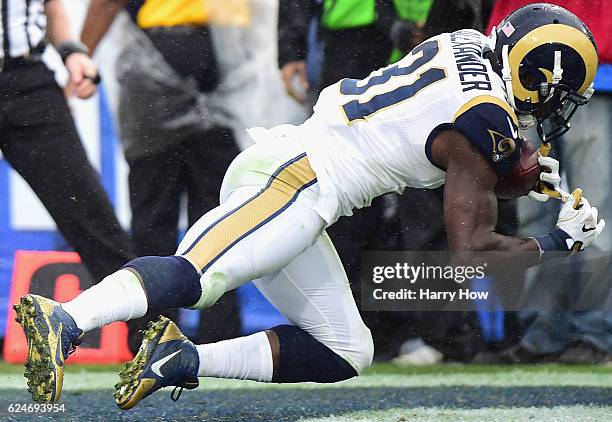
(38, 136)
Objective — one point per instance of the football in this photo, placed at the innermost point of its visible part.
(522, 177)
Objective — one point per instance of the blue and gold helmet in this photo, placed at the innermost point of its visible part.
(547, 58)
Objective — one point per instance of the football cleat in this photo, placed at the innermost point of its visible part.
(52, 336)
(165, 358)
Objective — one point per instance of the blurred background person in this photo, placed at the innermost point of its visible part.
(171, 143)
(39, 138)
(251, 89)
(552, 331)
(354, 38)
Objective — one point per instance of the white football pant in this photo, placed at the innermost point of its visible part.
(266, 230)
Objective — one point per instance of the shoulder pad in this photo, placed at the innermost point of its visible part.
(491, 125)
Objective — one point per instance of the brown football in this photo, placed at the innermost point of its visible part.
(522, 177)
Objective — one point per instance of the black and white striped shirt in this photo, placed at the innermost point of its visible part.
(23, 26)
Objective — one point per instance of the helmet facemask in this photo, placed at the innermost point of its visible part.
(556, 103)
(554, 113)
(543, 89)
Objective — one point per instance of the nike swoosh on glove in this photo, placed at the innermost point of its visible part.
(582, 225)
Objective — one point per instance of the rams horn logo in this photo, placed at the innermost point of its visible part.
(562, 36)
(502, 146)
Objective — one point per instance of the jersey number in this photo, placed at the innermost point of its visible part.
(358, 110)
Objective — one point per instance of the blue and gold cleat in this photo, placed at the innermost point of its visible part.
(52, 336)
(165, 358)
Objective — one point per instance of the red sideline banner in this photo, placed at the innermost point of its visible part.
(61, 276)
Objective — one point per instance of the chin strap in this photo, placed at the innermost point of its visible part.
(557, 69)
(507, 76)
(525, 121)
(493, 38)
(556, 77)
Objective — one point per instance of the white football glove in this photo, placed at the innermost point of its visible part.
(581, 225)
(551, 178)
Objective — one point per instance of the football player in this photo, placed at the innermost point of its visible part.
(448, 113)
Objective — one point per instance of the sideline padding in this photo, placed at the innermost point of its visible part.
(60, 275)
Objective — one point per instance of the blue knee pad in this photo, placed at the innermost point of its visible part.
(302, 358)
(169, 281)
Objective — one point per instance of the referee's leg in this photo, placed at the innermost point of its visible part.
(40, 141)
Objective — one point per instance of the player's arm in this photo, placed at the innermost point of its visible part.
(478, 148)
(100, 16)
(470, 204)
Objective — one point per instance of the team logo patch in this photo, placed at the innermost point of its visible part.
(502, 146)
(508, 29)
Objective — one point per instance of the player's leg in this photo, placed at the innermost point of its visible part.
(222, 321)
(53, 330)
(328, 343)
(256, 231)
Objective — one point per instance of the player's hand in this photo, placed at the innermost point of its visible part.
(294, 77)
(82, 76)
(581, 225)
(550, 176)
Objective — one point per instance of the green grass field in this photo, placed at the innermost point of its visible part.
(384, 393)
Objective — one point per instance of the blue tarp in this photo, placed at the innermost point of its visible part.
(603, 78)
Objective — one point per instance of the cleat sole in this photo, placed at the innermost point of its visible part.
(38, 371)
(128, 378)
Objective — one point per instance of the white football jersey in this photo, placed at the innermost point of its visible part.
(373, 136)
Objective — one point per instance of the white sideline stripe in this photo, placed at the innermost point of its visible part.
(83, 381)
(422, 414)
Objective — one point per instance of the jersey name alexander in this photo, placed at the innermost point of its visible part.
(371, 136)
(467, 48)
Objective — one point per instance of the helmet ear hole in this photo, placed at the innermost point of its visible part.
(529, 78)
(555, 21)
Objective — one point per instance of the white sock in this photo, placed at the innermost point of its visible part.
(239, 358)
(119, 297)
